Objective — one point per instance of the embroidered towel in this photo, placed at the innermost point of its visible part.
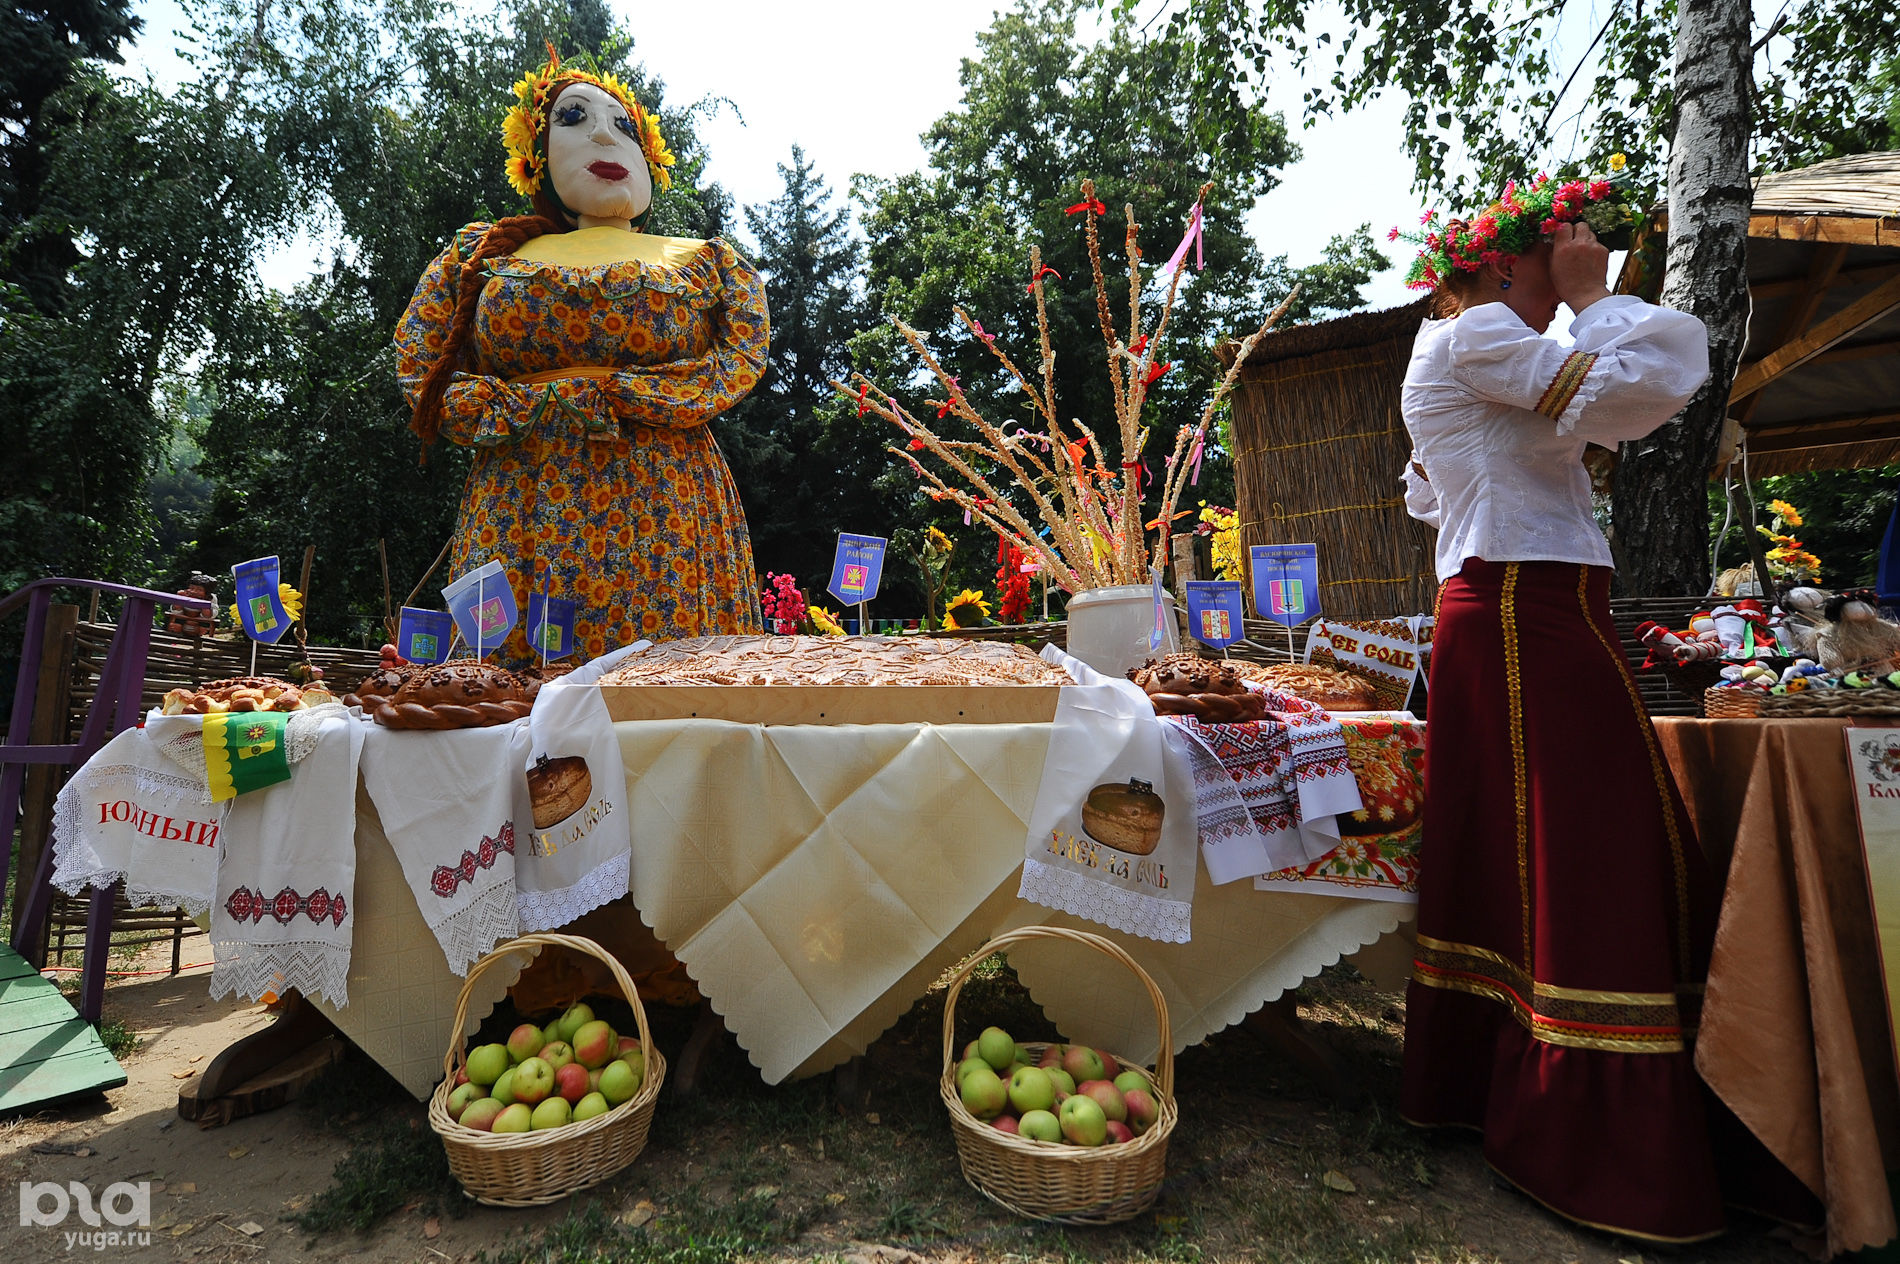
(578, 855)
(133, 815)
(288, 873)
(1112, 835)
(448, 802)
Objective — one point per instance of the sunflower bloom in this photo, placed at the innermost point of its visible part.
(966, 610)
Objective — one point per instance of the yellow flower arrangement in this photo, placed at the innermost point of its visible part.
(966, 610)
(523, 127)
(823, 621)
(1789, 515)
(1226, 541)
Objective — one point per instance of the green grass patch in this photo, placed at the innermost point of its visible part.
(118, 1039)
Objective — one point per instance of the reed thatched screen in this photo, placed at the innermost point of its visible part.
(1319, 447)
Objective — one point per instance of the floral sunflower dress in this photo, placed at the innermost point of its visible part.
(586, 390)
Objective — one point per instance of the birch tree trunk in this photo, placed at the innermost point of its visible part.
(1659, 506)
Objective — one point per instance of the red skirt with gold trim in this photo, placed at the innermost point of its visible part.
(1565, 912)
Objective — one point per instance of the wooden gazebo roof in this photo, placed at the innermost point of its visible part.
(1819, 385)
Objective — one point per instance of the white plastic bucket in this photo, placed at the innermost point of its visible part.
(1109, 627)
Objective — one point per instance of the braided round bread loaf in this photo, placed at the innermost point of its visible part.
(1207, 689)
(464, 694)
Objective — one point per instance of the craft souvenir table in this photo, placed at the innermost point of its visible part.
(815, 880)
(1794, 1031)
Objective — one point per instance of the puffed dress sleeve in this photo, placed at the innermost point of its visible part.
(1421, 501)
(477, 410)
(691, 392)
(1634, 365)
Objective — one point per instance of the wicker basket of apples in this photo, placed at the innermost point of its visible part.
(554, 1110)
(1059, 1132)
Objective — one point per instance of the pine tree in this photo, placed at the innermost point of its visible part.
(796, 480)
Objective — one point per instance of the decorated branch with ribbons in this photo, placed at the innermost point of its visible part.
(1054, 493)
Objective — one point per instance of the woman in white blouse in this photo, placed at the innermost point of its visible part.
(1564, 911)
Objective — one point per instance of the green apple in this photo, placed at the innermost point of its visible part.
(1039, 1125)
(487, 1062)
(996, 1047)
(556, 1053)
(1063, 1081)
(551, 1032)
(515, 1118)
(984, 1093)
(504, 1091)
(1129, 1081)
(1083, 1122)
(463, 1096)
(552, 1113)
(637, 1059)
(572, 1021)
(534, 1082)
(480, 1114)
(589, 1106)
(971, 1064)
(1025, 1056)
(1030, 1089)
(618, 1083)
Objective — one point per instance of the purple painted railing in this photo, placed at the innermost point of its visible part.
(115, 707)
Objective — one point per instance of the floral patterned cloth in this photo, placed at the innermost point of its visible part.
(1377, 856)
(586, 393)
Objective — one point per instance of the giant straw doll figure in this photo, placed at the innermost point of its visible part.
(583, 361)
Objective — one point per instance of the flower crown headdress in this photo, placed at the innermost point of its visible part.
(524, 129)
(1518, 220)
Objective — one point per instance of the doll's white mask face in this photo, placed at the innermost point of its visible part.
(594, 158)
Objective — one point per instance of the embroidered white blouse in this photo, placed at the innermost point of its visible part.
(1499, 416)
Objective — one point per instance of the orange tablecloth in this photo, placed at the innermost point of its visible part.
(1794, 1028)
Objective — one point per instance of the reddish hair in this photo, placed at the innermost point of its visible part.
(504, 237)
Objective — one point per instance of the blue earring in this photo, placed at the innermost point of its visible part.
(1506, 284)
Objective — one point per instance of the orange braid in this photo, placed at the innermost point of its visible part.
(504, 237)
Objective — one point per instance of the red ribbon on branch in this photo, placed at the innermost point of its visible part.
(1046, 271)
(863, 390)
(1087, 204)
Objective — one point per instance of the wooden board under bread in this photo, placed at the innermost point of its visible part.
(835, 704)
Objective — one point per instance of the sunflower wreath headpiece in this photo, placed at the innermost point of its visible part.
(1518, 220)
(524, 129)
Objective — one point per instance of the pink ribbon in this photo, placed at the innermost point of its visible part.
(1194, 235)
(1200, 441)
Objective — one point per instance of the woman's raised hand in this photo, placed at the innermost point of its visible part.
(1579, 266)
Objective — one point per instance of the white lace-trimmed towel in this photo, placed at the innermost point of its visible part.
(133, 815)
(578, 852)
(449, 803)
(1112, 835)
(287, 879)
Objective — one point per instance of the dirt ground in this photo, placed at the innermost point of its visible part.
(1262, 1167)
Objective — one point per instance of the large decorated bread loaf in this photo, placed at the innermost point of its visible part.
(1209, 690)
(463, 694)
(1326, 687)
(834, 660)
(245, 693)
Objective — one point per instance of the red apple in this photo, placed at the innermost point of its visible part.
(524, 1042)
(1143, 1110)
(1083, 1063)
(594, 1044)
(1110, 1068)
(1108, 1097)
(628, 1044)
(1118, 1132)
(1051, 1057)
(570, 1082)
(1004, 1123)
(461, 1076)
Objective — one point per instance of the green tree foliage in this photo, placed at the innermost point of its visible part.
(1507, 85)
(47, 43)
(800, 487)
(1040, 111)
